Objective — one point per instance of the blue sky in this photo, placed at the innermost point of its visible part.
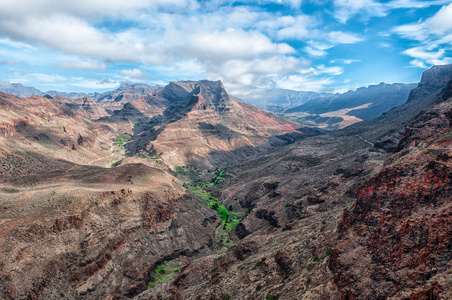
(323, 45)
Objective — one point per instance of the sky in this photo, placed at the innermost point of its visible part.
(304, 45)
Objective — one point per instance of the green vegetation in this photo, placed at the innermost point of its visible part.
(229, 219)
(219, 174)
(164, 273)
(316, 258)
(115, 164)
(328, 251)
(122, 139)
(270, 297)
(226, 297)
(310, 267)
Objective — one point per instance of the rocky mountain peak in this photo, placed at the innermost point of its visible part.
(214, 93)
(437, 76)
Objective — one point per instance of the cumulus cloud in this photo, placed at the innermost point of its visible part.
(84, 65)
(241, 44)
(229, 44)
(296, 28)
(133, 74)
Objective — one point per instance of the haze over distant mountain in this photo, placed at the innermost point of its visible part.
(276, 100)
(340, 110)
(19, 90)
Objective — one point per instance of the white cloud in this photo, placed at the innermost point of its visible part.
(434, 36)
(345, 61)
(339, 37)
(94, 84)
(233, 44)
(441, 22)
(296, 28)
(84, 65)
(421, 53)
(345, 9)
(302, 83)
(133, 74)
(414, 3)
(315, 52)
(243, 45)
(15, 44)
(419, 64)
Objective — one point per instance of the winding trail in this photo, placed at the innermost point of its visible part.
(366, 141)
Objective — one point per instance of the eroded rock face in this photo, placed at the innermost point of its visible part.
(397, 239)
(99, 237)
(203, 126)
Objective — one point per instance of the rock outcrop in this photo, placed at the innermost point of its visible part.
(396, 241)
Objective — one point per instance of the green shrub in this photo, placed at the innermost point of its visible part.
(328, 251)
(226, 297)
(270, 297)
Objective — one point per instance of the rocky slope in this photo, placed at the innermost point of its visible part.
(40, 133)
(325, 217)
(115, 99)
(341, 110)
(71, 228)
(95, 233)
(203, 126)
(396, 241)
(295, 240)
(86, 106)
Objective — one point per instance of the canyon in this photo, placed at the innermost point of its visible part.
(184, 192)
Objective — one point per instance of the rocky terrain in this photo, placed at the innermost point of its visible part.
(332, 217)
(396, 241)
(201, 125)
(187, 193)
(342, 110)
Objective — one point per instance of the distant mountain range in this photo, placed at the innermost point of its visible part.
(321, 110)
(340, 110)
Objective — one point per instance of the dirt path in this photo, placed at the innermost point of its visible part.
(111, 155)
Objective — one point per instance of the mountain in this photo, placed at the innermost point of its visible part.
(405, 212)
(71, 95)
(386, 130)
(203, 126)
(68, 220)
(19, 90)
(187, 193)
(115, 99)
(337, 217)
(85, 105)
(277, 100)
(341, 110)
(40, 132)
